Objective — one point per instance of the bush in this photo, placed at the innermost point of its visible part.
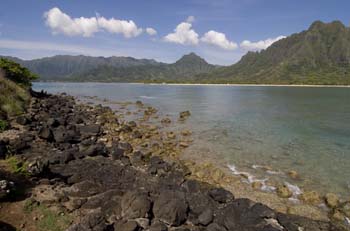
(3, 125)
(17, 73)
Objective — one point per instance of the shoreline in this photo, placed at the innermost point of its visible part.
(243, 184)
(90, 161)
(214, 84)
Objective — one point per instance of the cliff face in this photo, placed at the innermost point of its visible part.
(319, 55)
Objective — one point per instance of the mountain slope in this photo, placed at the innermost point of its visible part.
(66, 66)
(181, 71)
(116, 69)
(319, 55)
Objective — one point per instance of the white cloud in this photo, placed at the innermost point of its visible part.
(183, 34)
(190, 19)
(218, 39)
(115, 26)
(61, 23)
(259, 45)
(151, 31)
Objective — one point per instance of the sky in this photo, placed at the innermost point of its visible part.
(221, 31)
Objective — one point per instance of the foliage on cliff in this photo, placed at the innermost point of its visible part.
(319, 55)
(14, 83)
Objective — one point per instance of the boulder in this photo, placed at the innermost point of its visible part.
(46, 134)
(221, 195)
(126, 226)
(90, 130)
(95, 150)
(22, 120)
(37, 167)
(171, 207)
(158, 226)
(126, 146)
(206, 217)
(135, 205)
(117, 153)
(215, 227)
(91, 222)
(66, 134)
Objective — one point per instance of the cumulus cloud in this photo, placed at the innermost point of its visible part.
(151, 31)
(115, 26)
(61, 23)
(218, 39)
(183, 34)
(259, 45)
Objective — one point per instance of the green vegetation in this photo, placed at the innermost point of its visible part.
(13, 98)
(16, 73)
(49, 220)
(52, 220)
(30, 205)
(14, 83)
(319, 55)
(116, 69)
(17, 166)
(3, 125)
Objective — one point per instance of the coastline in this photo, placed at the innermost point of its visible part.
(78, 165)
(211, 84)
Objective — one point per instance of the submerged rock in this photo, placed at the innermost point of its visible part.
(332, 200)
(183, 115)
(311, 197)
(283, 191)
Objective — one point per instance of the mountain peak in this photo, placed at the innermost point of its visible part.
(319, 25)
(190, 58)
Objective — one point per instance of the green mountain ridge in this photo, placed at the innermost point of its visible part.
(319, 55)
(117, 69)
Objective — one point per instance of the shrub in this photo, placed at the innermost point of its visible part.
(17, 73)
(3, 125)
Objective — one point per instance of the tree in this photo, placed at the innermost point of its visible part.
(16, 73)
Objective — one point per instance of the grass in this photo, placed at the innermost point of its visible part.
(52, 221)
(17, 166)
(49, 220)
(3, 125)
(13, 98)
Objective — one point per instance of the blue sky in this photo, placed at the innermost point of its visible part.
(220, 31)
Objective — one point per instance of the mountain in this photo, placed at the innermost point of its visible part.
(319, 55)
(182, 70)
(115, 69)
(67, 66)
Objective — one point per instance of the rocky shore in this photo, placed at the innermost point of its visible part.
(69, 166)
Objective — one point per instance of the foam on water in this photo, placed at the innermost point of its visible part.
(251, 179)
(147, 97)
(296, 191)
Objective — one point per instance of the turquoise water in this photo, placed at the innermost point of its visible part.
(287, 128)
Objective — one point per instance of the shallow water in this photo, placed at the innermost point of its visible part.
(286, 128)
